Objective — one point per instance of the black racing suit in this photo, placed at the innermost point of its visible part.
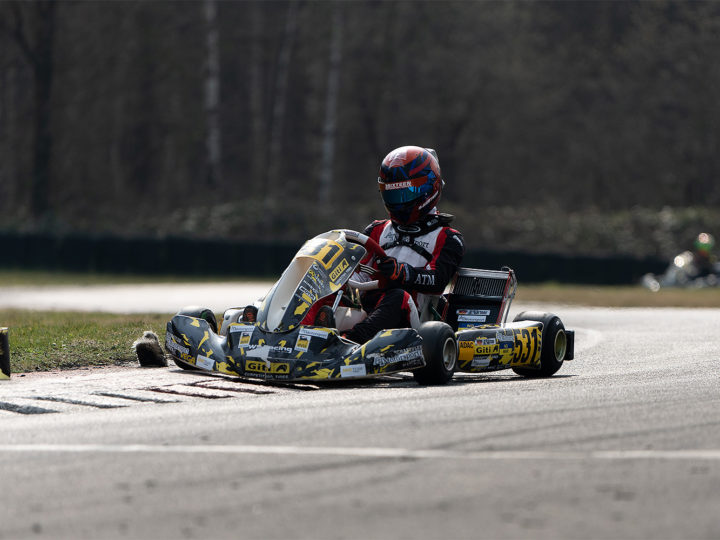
(432, 248)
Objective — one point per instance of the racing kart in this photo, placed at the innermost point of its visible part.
(683, 272)
(280, 340)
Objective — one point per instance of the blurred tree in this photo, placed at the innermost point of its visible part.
(32, 27)
(245, 118)
(212, 94)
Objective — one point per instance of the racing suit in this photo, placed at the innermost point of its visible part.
(433, 250)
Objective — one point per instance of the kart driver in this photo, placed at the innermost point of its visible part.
(423, 252)
(703, 259)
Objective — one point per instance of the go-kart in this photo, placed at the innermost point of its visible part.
(281, 339)
(683, 272)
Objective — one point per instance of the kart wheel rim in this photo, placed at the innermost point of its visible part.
(449, 354)
(560, 345)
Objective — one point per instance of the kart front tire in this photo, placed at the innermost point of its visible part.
(554, 344)
(199, 313)
(440, 350)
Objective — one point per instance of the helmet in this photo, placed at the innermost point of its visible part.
(704, 242)
(410, 182)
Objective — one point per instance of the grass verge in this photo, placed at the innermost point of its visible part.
(627, 296)
(47, 340)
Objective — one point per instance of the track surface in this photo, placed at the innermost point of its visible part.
(623, 443)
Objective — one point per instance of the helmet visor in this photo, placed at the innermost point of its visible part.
(399, 193)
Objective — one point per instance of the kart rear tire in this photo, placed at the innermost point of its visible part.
(554, 344)
(440, 350)
(199, 313)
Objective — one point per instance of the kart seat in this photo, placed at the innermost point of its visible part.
(478, 297)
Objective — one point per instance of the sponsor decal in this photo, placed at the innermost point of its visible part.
(174, 346)
(406, 355)
(398, 185)
(302, 343)
(337, 272)
(241, 328)
(505, 336)
(485, 312)
(261, 367)
(204, 362)
(472, 318)
(244, 339)
(486, 346)
(357, 370)
(267, 348)
(480, 362)
(425, 279)
(314, 333)
(466, 344)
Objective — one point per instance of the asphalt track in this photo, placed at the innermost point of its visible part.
(623, 443)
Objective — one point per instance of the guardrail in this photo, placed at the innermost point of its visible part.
(185, 256)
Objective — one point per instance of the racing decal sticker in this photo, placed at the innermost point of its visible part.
(412, 356)
(315, 332)
(485, 351)
(204, 362)
(481, 362)
(528, 344)
(357, 370)
(241, 328)
(505, 334)
(339, 269)
(256, 366)
(174, 347)
(479, 315)
(302, 343)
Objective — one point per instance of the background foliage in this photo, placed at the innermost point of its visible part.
(588, 127)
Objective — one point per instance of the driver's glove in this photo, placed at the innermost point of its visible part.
(395, 272)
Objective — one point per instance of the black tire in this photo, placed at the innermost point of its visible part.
(441, 352)
(554, 344)
(200, 313)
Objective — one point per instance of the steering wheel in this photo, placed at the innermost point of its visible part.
(374, 249)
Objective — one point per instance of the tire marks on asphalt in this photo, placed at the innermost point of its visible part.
(115, 398)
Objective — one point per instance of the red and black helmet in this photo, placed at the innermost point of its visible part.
(410, 183)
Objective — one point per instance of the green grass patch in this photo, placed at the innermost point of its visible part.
(47, 340)
(627, 296)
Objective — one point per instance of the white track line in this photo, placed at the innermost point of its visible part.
(589, 339)
(396, 453)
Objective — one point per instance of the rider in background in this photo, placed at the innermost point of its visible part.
(704, 261)
(423, 252)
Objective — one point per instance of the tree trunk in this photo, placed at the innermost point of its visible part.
(212, 95)
(40, 56)
(258, 118)
(279, 105)
(330, 126)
